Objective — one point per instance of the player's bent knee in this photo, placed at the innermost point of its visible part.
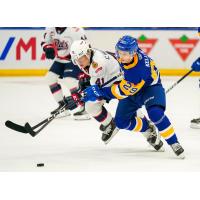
(155, 113)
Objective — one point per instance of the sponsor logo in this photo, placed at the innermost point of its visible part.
(61, 45)
(184, 46)
(94, 64)
(21, 47)
(149, 99)
(146, 44)
(68, 70)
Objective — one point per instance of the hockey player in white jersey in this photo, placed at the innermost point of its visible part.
(101, 67)
(56, 45)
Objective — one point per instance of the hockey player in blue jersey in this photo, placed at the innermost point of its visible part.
(141, 86)
(195, 123)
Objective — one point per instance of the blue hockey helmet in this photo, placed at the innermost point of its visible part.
(127, 43)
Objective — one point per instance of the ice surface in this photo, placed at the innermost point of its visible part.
(68, 145)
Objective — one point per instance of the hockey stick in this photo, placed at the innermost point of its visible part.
(177, 82)
(111, 80)
(28, 129)
(19, 128)
(23, 129)
(33, 133)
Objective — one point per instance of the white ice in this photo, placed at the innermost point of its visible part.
(68, 145)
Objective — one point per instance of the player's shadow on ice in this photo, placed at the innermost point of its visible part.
(118, 152)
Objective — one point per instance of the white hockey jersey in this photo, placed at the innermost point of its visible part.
(103, 67)
(62, 40)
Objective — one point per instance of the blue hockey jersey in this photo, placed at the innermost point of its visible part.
(141, 73)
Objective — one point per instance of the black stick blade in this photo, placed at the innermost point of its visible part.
(15, 127)
(30, 130)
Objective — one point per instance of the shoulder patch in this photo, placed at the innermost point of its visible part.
(94, 64)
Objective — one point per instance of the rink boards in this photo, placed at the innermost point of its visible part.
(173, 49)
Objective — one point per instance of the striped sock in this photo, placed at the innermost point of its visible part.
(161, 121)
(138, 125)
(166, 130)
(56, 91)
(104, 117)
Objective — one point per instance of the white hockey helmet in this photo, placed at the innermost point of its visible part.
(78, 49)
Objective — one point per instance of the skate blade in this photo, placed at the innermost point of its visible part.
(162, 149)
(114, 133)
(194, 126)
(62, 116)
(181, 156)
(80, 118)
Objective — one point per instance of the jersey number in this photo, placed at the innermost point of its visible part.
(100, 81)
(130, 89)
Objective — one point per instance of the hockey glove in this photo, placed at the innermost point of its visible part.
(84, 81)
(196, 65)
(70, 103)
(49, 52)
(92, 93)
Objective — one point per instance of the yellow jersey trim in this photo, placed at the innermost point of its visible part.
(129, 88)
(138, 125)
(135, 62)
(167, 133)
(114, 89)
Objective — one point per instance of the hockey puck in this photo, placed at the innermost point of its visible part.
(40, 165)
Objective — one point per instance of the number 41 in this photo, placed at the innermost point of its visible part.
(100, 81)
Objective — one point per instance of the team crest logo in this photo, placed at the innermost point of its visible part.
(94, 65)
(184, 46)
(146, 44)
(61, 45)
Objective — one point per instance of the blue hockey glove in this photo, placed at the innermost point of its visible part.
(92, 93)
(196, 65)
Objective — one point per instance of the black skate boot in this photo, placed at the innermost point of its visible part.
(178, 150)
(153, 138)
(195, 123)
(109, 131)
(62, 112)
